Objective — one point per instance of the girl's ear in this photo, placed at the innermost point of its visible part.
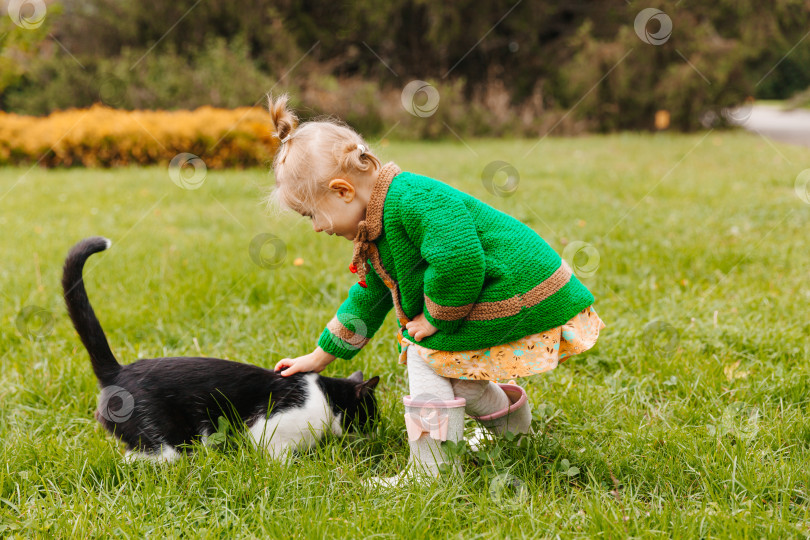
(343, 188)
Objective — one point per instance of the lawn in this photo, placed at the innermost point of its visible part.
(688, 419)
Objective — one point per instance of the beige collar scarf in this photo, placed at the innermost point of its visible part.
(370, 228)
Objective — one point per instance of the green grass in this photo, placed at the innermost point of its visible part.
(702, 436)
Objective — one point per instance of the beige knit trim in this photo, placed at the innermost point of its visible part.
(447, 313)
(481, 311)
(354, 339)
(487, 311)
(371, 226)
(376, 202)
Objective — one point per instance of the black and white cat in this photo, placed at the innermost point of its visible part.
(158, 405)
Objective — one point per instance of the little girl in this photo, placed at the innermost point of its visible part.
(479, 296)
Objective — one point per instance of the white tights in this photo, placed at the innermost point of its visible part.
(483, 397)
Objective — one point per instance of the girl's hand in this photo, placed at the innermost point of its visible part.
(420, 328)
(316, 361)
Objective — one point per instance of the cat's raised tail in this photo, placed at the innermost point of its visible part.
(81, 313)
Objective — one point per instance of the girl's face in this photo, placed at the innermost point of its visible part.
(340, 210)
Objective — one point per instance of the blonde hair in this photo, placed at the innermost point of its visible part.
(309, 156)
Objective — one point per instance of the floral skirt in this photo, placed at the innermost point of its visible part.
(526, 356)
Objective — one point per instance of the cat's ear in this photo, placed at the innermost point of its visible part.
(356, 377)
(367, 386)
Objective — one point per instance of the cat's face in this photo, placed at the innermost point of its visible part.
(361, 413)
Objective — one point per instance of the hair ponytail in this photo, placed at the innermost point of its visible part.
(283, 118)
(354, 156)
(323, 149)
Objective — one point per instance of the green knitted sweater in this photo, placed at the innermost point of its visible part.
(480, 276)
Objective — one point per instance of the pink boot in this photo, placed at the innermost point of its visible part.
(515, 417)
(428, 423)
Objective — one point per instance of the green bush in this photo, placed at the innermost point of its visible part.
(543, 66)
(220, 75)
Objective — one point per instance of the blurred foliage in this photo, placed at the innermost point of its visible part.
(220, 74)
(104, 137)
(18, 46)
(802, 99)
(502, 68)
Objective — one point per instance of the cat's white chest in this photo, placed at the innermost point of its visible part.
(299, 427)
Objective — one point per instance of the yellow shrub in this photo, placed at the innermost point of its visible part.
(104, 137)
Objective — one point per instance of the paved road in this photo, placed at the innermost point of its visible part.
(784, 126)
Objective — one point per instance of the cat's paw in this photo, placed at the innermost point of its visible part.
(167, 454)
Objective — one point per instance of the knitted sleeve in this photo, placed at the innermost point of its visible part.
(444, 232)
(358, 318)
